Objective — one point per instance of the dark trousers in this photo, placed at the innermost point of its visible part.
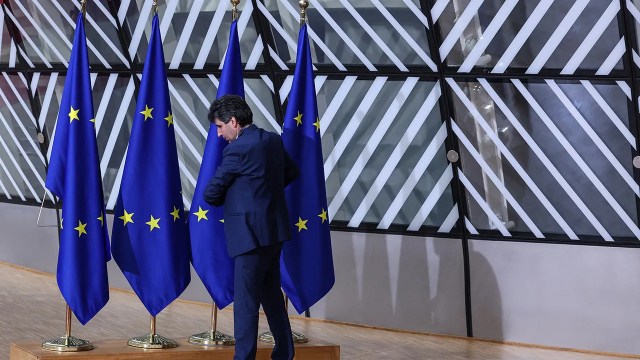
(257, 281)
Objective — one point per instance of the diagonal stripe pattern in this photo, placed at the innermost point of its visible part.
(365, 166)
(551, 140)
(194, 32)
(569, 37)
(47, 26)
(366, 33)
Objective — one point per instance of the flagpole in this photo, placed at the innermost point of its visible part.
(67, 343)
(212, 337)
(152, 340)
(298, 338)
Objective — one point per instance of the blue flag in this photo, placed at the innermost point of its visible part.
(208, 241)
(150, 240)
(307, 260)
(74, 177)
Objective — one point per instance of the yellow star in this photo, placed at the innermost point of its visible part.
(94, 122)
(298, 119)
(201, 214)
(147, 112)
(169, 119)
(81, 228)
(153, 223)
(175, 213)
(222, 221)
(101, 218)
(301, 224)
(73, 115)
(323, 215)
(127, 218)
(317, 124)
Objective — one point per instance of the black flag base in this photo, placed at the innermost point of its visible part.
(267, 337)
(152, 341)
(212, 338)
(67, 343)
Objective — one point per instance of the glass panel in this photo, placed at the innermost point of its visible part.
(532, 36)
(8, 49)
(21, 162)
(383, 144)
(547, 157)
(366, 33)
(193, 33)
(46, 30)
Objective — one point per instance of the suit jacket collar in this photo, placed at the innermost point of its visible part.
(249, 128)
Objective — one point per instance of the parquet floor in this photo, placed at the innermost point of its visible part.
(31, 309)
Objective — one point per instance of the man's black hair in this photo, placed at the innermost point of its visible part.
(229, 106)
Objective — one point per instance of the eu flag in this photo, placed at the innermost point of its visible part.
(307, 260)
(150, 241)
(208, 241)
(74, 177)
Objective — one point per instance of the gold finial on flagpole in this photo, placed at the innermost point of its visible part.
(234, 10)
(155, 7)
(84, 9)
(304, 4)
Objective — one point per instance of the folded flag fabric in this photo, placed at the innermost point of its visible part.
(150, 236)
(74, 177)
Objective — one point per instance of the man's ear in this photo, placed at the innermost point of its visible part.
(233, 122)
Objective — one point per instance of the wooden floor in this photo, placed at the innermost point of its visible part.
(31, 309)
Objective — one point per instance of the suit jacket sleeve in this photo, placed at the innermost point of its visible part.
(226, 173)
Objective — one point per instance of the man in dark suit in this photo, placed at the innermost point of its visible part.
(250, 183)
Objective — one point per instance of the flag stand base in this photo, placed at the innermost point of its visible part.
(212, 338)
(66, 344)
(152, 341)
(267, 337)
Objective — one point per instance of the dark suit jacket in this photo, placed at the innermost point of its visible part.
(250, 183)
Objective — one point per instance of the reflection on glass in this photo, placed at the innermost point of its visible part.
(371, 33)
(561, 158)
(375, 135)
(21, 163)
(531, 36)
(193, 32)
(45, 31)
